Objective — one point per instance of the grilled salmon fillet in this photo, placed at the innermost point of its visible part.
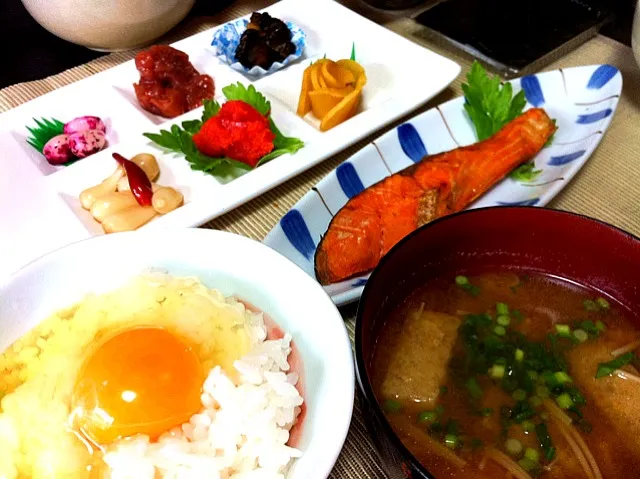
(372, 222)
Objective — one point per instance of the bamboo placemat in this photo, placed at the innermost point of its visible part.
(606, 188)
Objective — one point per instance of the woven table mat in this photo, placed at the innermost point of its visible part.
(606, 188)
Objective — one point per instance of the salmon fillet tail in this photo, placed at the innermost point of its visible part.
(373, 221)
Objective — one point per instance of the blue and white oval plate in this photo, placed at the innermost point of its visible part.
(582, 100)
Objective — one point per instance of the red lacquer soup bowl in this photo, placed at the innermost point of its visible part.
(534, 240)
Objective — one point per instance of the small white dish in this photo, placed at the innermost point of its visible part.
(582, 100)
(39, 206)
(232, 264)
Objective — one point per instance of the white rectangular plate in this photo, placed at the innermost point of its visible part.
(582, 101)
(39, 207)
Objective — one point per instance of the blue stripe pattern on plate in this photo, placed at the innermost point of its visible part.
(411, 142)
(564, 159)
(349, 180)
(298, 234)
(531, 202)
(359, 282)
(594, 117)
(532, 90)
(601, 76)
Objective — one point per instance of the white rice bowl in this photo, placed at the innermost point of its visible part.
(257, 412)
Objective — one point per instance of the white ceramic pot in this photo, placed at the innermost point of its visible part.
(108, 24)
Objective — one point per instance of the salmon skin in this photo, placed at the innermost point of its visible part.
(373, 221)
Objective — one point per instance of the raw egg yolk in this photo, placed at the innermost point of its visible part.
(140, 381)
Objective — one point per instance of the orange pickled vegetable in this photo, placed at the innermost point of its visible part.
(331, 91)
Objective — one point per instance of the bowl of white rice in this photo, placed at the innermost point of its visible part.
(171, 354)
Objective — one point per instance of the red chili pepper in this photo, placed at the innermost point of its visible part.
(138, 180)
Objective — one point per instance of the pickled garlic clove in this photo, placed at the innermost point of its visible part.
(166, 199)
(149, 165)
(111, 203)
(129, 219)
(90, 195)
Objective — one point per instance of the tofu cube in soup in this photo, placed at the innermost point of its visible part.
(416, 373)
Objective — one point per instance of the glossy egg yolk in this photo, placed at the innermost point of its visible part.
(139, 381)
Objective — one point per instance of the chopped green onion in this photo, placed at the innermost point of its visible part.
(471, 289)
(519, 354)
(519, 395)
(443, 390)
(533, 375)
(564, 401)
(577, 396)
(497, 371)
(527, 464)
(532, 454)
(439, 410)
(427, 416)
(563, 330)
(535, 401)
(603, 303)
(451, 441)
(542, 391)
(600, 325)
(542, 432)
(391, 405)
(562, 377)
(474, 388)
(513, 447)
(452, 427)
(581, 335)
(502, 309)
(590, 328)
(544, 416)
(589, 305)
(528, 426)
(551, 380)
(503, 320)
(486, 412)
(462, 280)
(499, 330)
(521, 412)
(608, 368)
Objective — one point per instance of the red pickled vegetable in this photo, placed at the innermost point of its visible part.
(238, 131)
(138, 180)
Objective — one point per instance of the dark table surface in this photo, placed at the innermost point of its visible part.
(41, 54)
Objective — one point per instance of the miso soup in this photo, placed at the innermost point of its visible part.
(512, 376)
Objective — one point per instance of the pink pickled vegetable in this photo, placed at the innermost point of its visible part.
(84, 123)
(57, 150)
(85, 143)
